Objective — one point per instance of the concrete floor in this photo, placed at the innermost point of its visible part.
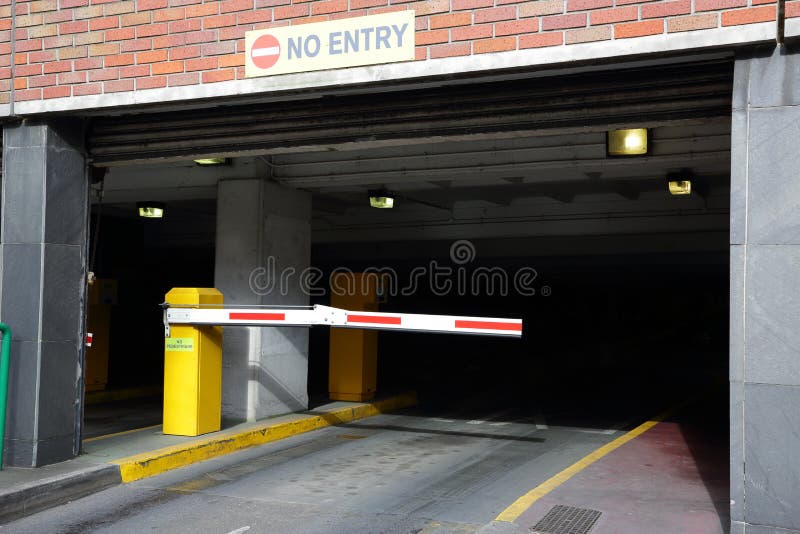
(416, 471)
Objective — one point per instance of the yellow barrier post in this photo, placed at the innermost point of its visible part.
(193, 369)
(353, 354)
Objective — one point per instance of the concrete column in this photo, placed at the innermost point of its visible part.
(43, 231)
(263, 232)
(765, 285)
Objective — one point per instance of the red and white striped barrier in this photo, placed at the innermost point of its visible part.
(327, 316)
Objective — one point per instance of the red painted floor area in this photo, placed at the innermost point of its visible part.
(671, 479)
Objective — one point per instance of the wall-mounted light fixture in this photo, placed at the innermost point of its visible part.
(680, 187)
(151, 210)
(631, 142)
(381, 198)
(210, 162)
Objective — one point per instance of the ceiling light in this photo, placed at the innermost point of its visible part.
(208, 162)
(380, 198)
(680, 187)
(632, 142)
(151, 210)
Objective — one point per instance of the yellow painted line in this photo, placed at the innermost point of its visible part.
(115, 434)
(155, 462)
(511, 513)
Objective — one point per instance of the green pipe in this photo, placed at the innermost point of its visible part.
(5, 356)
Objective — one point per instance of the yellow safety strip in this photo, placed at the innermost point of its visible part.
(511, 513)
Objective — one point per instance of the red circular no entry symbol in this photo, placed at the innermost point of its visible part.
(265, 52)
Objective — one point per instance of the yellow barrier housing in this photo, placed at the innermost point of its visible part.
(193, 369)
(353, 354)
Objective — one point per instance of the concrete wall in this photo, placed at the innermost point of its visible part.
(81, 54)
(42, 288)
(264, 369)
(765, 284)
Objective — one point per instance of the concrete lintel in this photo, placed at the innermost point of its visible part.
(563, 55)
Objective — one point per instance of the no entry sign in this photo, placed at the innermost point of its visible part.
(385, 38)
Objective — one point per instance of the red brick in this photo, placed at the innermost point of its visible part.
(116, 61)
(134, 71)
(471, 4)
(203, 10)
(184, 52)
(118, 86)
(559, 22)
(137, 45)
(667, 9)
(152, 82)
(216, 49)
(218, 76)
(619, 14)
(495, 14)
(168, 41)
(180, 26)
(421, 54)
(168, 67)
(29, 45)
(583, 5)
(120, 34)
(694, 22)
(328, 6)
(104, 23)
(185, 2)
(219, 21)
(89, 63)
(54, 17)
(230, 6)
(717, 5)
(234, 60)
(57, 66)
(749, 16)
(106, 49)
(135, 19)
(153, 56)
(78, 26)
(165, 15)
(450, 20)
(388, 9)
(429, 7)
(57, 92)
(19, 83)
(57, 42)
(469, 33)
(541, 7)
(587, 35)
(538, 40)
(450, 50)
(501, 44)
(761, 2)
(516, 27)
(42, 81)
(151, 30)
(432, 37)
(792, 9)
(45, 55)
(142, 5)
(71, 77)
(65, 4)
(190, 78)
(28, 70)
(638, 29)
(87, 89)
(251, 17)
(359, 4)
(28, 94)
(309, 20)
(203, 63)
(291, 12)
(201, 37)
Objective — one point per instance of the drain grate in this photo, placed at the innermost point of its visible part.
(567, 520)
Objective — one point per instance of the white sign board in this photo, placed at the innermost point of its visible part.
(336, 44)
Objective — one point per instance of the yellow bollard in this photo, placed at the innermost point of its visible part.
(193, 369)
(353, 354)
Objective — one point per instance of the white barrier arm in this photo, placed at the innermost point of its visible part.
(327, 316)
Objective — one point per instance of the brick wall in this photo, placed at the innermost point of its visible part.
(89, 47)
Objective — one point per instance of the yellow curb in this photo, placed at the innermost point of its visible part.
(152, 463)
